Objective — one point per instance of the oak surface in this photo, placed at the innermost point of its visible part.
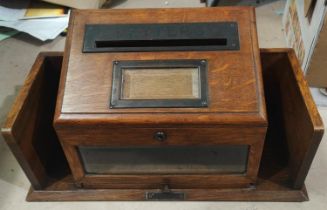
(28, 129)
(303, 125)
(86, 79)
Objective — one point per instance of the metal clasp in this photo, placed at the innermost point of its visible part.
(165, 195)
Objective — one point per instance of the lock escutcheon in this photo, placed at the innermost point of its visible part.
(160, 136)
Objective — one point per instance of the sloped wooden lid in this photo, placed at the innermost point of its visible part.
(235, 90)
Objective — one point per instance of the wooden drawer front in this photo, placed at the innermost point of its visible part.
(142, 138)
(174, 136)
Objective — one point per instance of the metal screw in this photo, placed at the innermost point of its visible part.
(116, 62)
(204, 103)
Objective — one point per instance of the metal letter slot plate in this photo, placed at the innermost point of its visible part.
(161, 37)
(159, 83)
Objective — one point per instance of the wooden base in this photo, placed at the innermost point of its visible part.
(265, 191)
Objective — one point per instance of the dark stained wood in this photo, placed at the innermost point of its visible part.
(145, 181)
(83, 116)
(28, 129)
(276, 176)
(267, 190)
(303, 126)
(175, 136)
(158, 181)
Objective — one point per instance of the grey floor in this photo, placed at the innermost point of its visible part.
(16, 57)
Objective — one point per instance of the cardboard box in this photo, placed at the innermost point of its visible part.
(79, 4)
(317, 70)
(303, 22)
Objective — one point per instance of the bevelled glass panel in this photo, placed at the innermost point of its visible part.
(220, 159)
(161, 83)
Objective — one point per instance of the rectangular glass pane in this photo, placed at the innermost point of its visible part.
(172, 160)
(161, 83)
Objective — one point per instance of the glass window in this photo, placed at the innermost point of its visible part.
(168, 160)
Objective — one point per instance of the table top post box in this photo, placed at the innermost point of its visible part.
(165, 104)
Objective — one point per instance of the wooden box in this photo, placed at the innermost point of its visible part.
(176, 101)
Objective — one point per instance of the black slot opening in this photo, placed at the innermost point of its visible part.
(160, 43)
(161, 37)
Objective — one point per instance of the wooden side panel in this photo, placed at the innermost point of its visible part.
(302, 124)
(28, 129)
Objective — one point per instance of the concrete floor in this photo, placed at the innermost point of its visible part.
(17, 56)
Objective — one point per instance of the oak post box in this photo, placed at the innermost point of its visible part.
(165, 104)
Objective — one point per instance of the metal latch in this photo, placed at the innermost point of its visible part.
(165, 195)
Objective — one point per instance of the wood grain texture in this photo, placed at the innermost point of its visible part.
(235, 76)
(157, 180)
(105, 136)
(28, 129)
(133, 137)
(303, 125)
(267, 190)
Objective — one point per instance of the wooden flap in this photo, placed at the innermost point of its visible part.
(302, 124)
(28, 129)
